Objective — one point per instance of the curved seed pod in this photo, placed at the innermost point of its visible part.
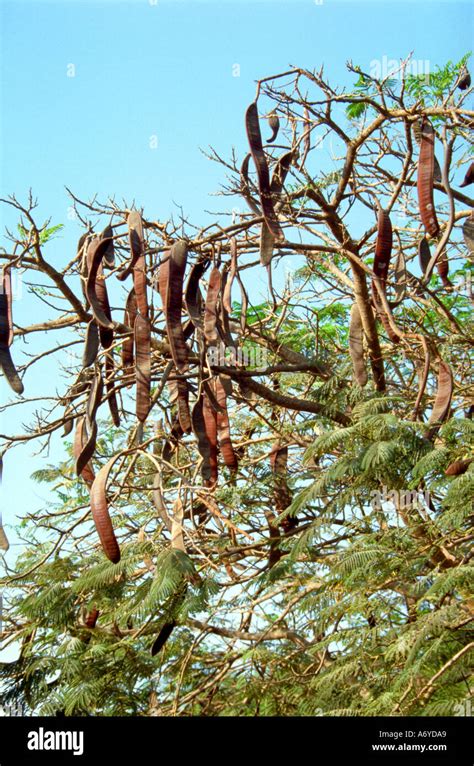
(135, 234)
(223, 428)
(267, 240)
(356, 346)
(91, 344)
(227, 293)
(443, 398)
(109, 253)
(210, 307)
(95, 397)
(83, 450)
(110, 385)
(469, 177)
(137, 247)
(425, 179)
(424, 254)
(192, 296)
(6, 333)
(400, 279)
(207, 450)
(159, 502)
(442, 266)
(422, 379)
(458, 467)
(4, 544)
(383, 250)
(437, 175)
(174, 304)
(162, 637)
(171, 443)
(274, 124)
(177, 537)
(95, 287)
(182, 402)
(210, 426)
(464, 79)
(468, 234)
(100, 513)
(142, 366)
(245, 186)
(68, 425)
(131, 310)
(91, 618)
(256, 148)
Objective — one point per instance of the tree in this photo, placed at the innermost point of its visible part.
(283, 489)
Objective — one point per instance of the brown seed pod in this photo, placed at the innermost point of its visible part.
(135, 235)
(192, 296)
(83, 449)
(100, 512)
(469, 177)
(422, 378)
(442, 401)
(227, 292)
(91, 618)
(205, 430)
(162, 637)
(356, 346)
(468, 234)
(131, 310)
(464, 79)
(274, 124)
(383, 250)
(399, 279)
(137, 247)
(256, 148)
(6, 333)
(174, 304)
(223, 427)
(95, 288)
(442, 266)
(110, 385)
(424, 254)
(109, 253)
(91, 344)
(142, 366)
(210, 307)
(267, 239)
(95, 397)
(458, 467)
(425, 179)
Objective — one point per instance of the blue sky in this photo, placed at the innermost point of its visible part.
(143, 69)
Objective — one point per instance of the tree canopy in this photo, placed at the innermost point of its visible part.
(266, 505)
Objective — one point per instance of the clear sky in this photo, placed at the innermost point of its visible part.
(165, 69)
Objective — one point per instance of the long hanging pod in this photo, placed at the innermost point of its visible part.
(6, 333)
(130, 314)
(267, 238)
(100, 513)
(210, 307)
(82, 453)
(425, 179)
(256, 148)
(142, 335)
(356, 346)
(174, 304)
(383, 253)
(223, 427)
(442, 403)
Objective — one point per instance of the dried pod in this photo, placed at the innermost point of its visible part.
(223, 428)
(83, 449)
(425, 179)
(137, 247)
(469, 177)
(383, 250)
(468, 234)
(256, 148)
(142, 366)
(424, 255)
(95, 287)
(174, 304)
(274, 124)
(91, 344)
(192, 296)
(422, 378)
(95, 397)
(109, 253)
(227, 292)
(267, 239)
(100, 513)
(464, 78)
(91, 618)
(210, 425)
(458, 467)
(442, 266)
(6, 333)
(442, 401)
(135, 235)
(205, 429)
(127, 345)
(400, 279)
(356, 346)
(162, 637)
(210, 308)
